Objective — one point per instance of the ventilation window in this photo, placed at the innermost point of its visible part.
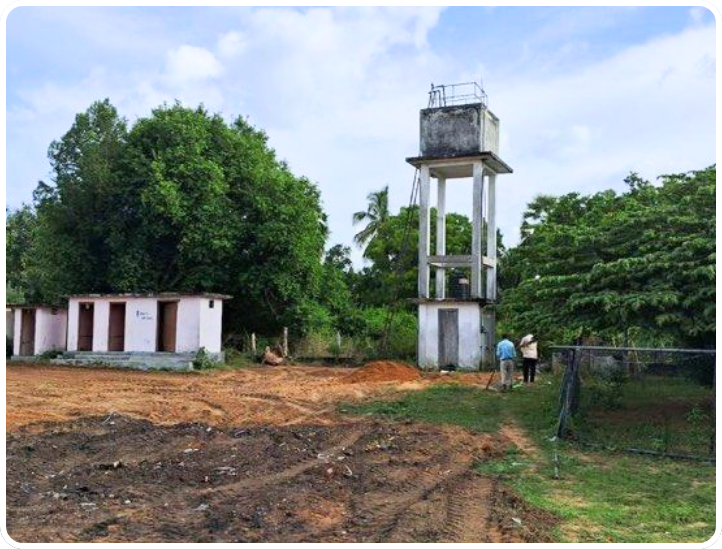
(211, 304)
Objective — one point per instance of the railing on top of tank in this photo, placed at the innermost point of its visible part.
(464, 93)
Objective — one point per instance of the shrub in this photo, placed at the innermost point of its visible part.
(203, 361)
(314, 317)
(402, 332)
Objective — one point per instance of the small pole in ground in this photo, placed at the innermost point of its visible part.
(488, 382)
(253, 344)
(285, 342)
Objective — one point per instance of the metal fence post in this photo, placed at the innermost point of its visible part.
(564, 395)
(712, 438)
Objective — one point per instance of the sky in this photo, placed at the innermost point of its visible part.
(584, 95)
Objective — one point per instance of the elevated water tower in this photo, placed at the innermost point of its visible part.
(459, 138)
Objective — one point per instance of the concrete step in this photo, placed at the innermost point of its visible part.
(135, 360)
(90, 354)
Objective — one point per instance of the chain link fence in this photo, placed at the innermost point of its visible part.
(642, 400)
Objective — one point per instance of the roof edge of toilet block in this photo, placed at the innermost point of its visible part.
(35, 306)
(161, 295)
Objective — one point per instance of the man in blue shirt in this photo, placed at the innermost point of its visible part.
(506, 352)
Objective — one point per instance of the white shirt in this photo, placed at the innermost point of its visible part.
(528, 347)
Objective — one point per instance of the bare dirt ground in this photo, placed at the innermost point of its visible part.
(270, 395)
(252, 455)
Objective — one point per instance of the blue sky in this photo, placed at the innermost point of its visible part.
(584, 94)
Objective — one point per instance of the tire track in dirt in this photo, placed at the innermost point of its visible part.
(397, 514)
(288, 473)
(279, 400)
(234, 456)
(468, 512)
(390, 517)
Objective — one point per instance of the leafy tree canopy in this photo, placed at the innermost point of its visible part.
(393, 253)
(375, 216)
(183, 201)
(641, 263)
(20, 230)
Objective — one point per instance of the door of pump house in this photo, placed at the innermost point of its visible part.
(27, 332)
(448, 338)
(86, 314)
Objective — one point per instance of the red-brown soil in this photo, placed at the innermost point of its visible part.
(383, 371)
(270, 395)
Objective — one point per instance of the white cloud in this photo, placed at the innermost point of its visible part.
(697, 14)
(191, 63)
(231, 44)
(648, 109)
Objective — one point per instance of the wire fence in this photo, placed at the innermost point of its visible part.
(642, 400)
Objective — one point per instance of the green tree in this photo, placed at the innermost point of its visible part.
(393, 253)
(339, 256)
(182, 202)
(335, 289)
(375, 216)
(20, 231)
(71, 251)
(219, 212)
(639, 263)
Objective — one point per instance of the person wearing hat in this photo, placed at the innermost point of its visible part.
(528, 348)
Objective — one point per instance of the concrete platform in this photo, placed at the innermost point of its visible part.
(134, 360)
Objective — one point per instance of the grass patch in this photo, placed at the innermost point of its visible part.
(438, 404)
(601, 496)
(664, 414)
(605, 497)
(238, 361)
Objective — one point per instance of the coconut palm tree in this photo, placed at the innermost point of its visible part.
(376, 214)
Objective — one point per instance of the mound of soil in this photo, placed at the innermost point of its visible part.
(383, 370)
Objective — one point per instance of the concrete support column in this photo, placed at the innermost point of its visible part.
(491, 238)
(476, 224)
(441, 237)
(424, 231)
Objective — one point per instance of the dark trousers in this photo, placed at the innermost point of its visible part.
(529, 369)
